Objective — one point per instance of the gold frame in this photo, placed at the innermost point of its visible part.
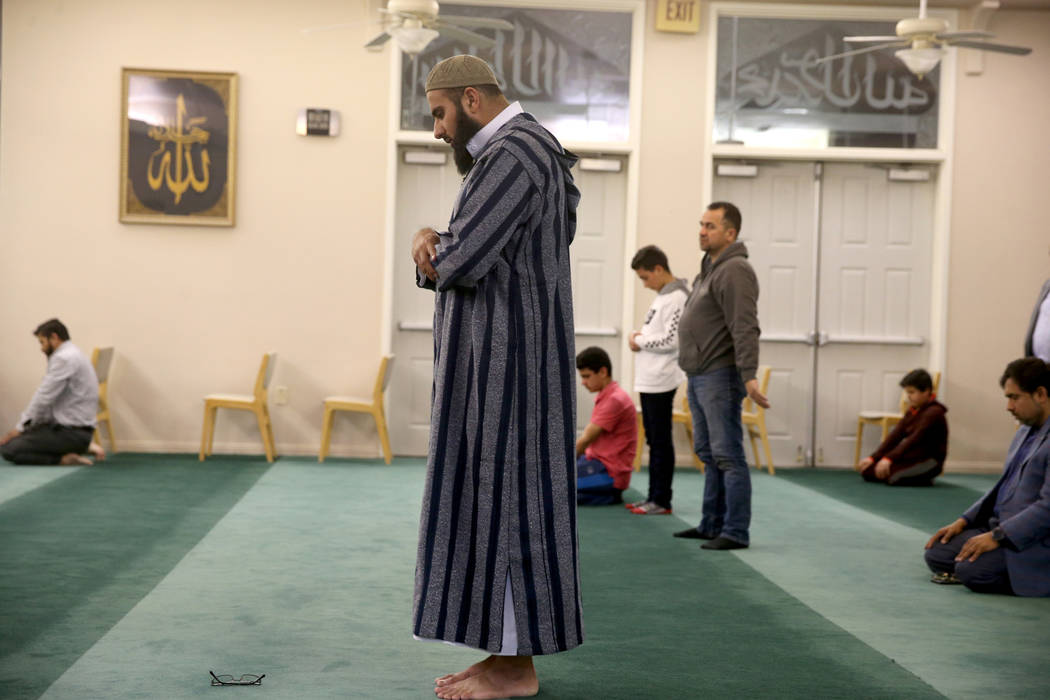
(196, 143)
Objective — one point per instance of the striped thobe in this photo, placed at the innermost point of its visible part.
(500, 497)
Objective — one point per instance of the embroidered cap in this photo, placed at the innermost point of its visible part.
(459, 72)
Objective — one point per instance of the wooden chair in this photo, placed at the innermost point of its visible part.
(885, 419)
(101, 359)
(359, 405)
(685, 418)
(753, 417)
(256, 403)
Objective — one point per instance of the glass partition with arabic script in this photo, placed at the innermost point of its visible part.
(570, 69)
(771, 93)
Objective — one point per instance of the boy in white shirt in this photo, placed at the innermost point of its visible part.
(657, 374)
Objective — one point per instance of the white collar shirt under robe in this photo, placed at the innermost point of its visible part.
(480, 139)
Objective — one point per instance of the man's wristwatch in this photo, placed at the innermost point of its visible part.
(998, 534)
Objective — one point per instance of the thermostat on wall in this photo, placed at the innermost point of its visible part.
(317, 122)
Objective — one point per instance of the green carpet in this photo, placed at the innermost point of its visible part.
(82, 550)
(309, 579)
(668, 620)
(861, 569)
(925, 507)
(16, 480)
(159, 569)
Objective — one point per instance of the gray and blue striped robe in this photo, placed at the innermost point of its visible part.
(500, 494)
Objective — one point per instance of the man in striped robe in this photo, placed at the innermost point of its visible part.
(497, 565)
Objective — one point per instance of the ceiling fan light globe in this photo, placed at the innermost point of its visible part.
(920, 61)
(412, 40)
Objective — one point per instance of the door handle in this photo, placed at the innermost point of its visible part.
(871, 340)
(783, 338)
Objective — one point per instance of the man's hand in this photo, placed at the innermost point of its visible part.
(946, 533)
(864, 464)
(755, 395)
(976, 546)
(424, 248)
(882, 469)
(630, 341)
(10, 436)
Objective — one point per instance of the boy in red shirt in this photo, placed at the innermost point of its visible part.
(913, 454)
(605, 451)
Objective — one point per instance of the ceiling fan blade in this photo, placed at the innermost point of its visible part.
(472, 38)
(378, 41)
(479, 22)
(866, 49)
(854, 39)
(944, 36)
(985, 46)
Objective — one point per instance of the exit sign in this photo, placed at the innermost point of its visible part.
(678, 16)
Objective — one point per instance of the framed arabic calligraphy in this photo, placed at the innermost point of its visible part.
(178, 147)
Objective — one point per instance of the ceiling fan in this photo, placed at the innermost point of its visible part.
(415, 23)
(925, 39)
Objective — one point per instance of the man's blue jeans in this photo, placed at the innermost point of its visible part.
(718, 440)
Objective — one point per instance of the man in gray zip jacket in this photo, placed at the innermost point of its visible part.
(718, 349)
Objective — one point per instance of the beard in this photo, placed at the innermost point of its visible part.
(466, 128)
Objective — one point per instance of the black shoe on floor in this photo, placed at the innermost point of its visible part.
(723, 543)
(693, 534)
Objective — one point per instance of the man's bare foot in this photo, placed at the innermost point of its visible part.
(466, 673)
(97, 451)
(502, 677)
(73, 458)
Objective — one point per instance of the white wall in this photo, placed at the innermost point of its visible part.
(190, 310)
(1000, 252)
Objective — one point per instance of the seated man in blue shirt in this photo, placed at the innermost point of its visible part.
(57, 426)
(1000, 545)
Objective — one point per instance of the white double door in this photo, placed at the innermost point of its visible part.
(426, 192)
(843, 258)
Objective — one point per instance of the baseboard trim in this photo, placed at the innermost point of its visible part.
(242, 448)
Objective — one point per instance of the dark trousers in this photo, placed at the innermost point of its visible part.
(986, 575)
(656, 419)
(919, 474)
(46, 444)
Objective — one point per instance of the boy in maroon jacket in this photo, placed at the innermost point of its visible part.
(913, 454)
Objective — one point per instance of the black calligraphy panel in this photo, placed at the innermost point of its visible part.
(178, 144)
